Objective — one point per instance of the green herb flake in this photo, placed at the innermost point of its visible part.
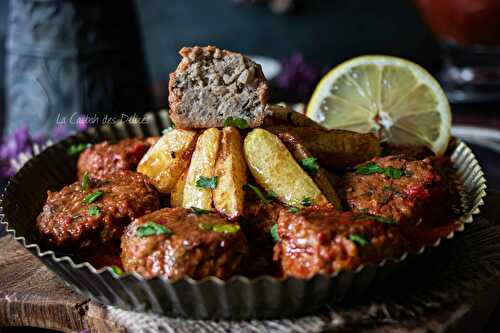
(85, 181)
(376, 218)
(151, 228)
(226, 228)
(394, 173)
(205, 226)
(236, 122)
(369, 169)
(117, 270)
(274, 233)
(358, 240)
(293, 209)
(306, 201)
(93, 197)
(207, 182)
(265, 198)
(310, 164)
(199, 211)
(94, 210)
(77, 148)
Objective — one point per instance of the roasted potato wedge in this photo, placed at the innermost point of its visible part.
(337, 149)
(319, 176)
(177, 195)
(231, 172)
(168, 158)
(286, 116)
(275, 169)
(202, 165)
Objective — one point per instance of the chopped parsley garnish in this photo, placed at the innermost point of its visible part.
(293, 209)
(77, 148)
(151, 228)
(376, 218)
(236, 122)
(222, 228)
(274, 233)
(199, 211)
(359, 240)
(173, 125)
(94, 210)
(85, 181)
(92, 197)
(117, 270)
(306, 201)
(265, 198)
(310, 165)
(371, 168)
(207, 182)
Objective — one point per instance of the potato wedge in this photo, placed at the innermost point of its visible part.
(231, 172)
(338, 149)
(168, 158)
(177, 195)
(275, 169)
(285, 115)
(202, 165)
(320, 176)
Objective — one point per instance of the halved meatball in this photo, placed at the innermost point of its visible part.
(75, 217)
(105, 158)
(320, 239)
(395, 188)
(175, 242)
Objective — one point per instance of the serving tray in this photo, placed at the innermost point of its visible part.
(236, 298)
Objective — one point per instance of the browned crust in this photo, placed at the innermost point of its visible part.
(189, 54)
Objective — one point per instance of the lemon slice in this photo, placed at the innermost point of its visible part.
(393, 97)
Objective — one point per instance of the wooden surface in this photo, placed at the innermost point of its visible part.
(455, 292)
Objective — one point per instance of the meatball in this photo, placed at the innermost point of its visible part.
(75, 217)
(175, 242)
(396, 189)
(104, 158)
(320, 239)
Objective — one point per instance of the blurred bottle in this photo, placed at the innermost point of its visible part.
(469, 34)
(68, 58)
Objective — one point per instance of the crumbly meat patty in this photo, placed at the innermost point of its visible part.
(417, 195)
(211, 85)
(105, 158)
(319, 239)
(189, 250)
(68, 222)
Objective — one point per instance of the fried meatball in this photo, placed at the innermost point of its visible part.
(105, 158)
(320, 239)
(188, 244)
(74, 218)
(401, 190)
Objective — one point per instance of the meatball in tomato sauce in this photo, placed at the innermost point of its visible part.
(105, 158)
(396, 189)
(93, 211)
(176, 242)
(320, 239)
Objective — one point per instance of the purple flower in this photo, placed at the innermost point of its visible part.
(18, 142)
(82, 123)
(298, 77)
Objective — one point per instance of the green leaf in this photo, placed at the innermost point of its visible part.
(207, 182)
(379, 219)
(265, 198)
(293, 209)
(369, 169)
(94, 210)
(306, 201)
(236, 122)
(274, 233)
(117, 270)
(77, 148)
(85, 181)
(226, 228)
(151, 228)
(394, 173)
(222, 228)
(199, 211)
(310, 164)
(358, 240)
(93, 197)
